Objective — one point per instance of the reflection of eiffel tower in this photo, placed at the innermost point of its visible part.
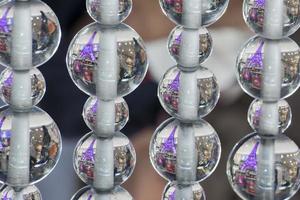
(90, 197)
(8, 82)
(260, 3)
(94, 107)
(87, 51)
(169, 144)
(6, 197)
(257, 59)
(177, 40)
(251, 161)
(3, 21)
(88, 155)
(174, 85)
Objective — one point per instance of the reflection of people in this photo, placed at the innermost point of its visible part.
(64, 101)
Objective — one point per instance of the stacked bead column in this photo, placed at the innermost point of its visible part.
(106, 60)
(265, 164)
(30, 140)
(185, 149)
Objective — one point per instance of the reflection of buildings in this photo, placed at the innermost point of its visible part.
(245, 171)
(207, 149)
(204, 45)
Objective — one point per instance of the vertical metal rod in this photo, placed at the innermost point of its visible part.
(21, 61)
(106, 86)
(271, 90)
(189, 97)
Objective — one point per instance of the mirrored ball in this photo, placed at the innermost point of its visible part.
(251, 68)
(211, 10)
(195, 191)
(28, 193)
(175, 43)
(118, 10)
(207, 89)
(45, 144)
(84, 58)
(163, 149)
(87, 193)
(46, 31)
(284, 110)
(124, 158)
(38, 85)
(90, 113)
(254, 12)
(253, 153)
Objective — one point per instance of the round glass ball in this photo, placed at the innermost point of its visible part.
(117, 11)
(205, 43)
(90, 113)
(85, 152)
(284, 110)
(250, 67)
(211, 11)
(207, 88)
(45, 144)
(244, 162)
(197, 192)
(28, 193)
(88, 193)
(163, 149)
(86, 47)
(38, 85)
(46, 31)
(254, 12)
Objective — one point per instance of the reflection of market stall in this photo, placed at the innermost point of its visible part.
(95, 6)
(245, 170)
(206, 86)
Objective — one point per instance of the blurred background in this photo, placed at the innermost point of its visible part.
(64, 101)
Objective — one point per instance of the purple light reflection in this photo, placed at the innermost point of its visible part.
(169, 144)
(87, 51)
